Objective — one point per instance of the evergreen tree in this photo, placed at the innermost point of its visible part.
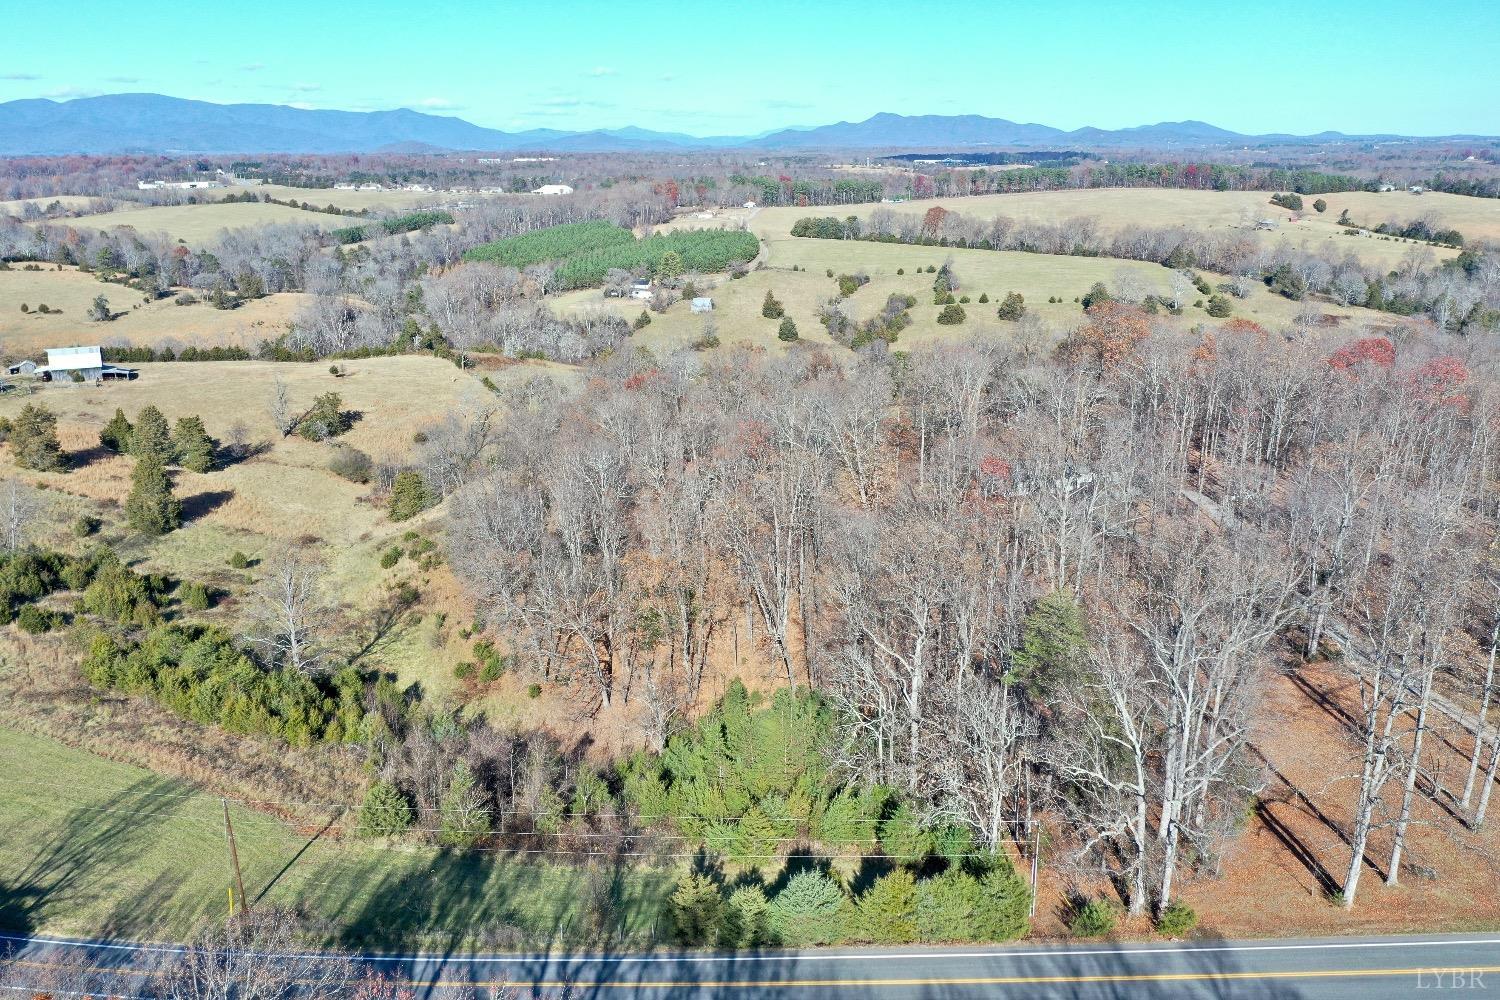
(384, 812)
(463, 817)
(151, 435)
(787, 331)
(888, 911)
(697, 910)
(116, 433)
(192, 445)
(99, 311)
(409, 496)
(1053, 645)
(33, 439)
(770, 308)
(670, 265)
(151, 508)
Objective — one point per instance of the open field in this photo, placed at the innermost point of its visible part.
(1207, 211)
(373, 200)
(286, 491)
(143, 324)
(1477, 218)
(69, 201)
(1036, 276)
(201, 223)
(90, 846)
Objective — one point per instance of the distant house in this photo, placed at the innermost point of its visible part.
(640, 290)
(1265, 224)
(1417, 189)
(553, 189)
(27, 367)
(371, 187)
(86, 364)
(346, 187)
(749, 204)
(703, 304)
(1386, 187)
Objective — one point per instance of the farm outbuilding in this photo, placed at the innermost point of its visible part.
(27, 367)
(703, 304)
(553, 189)
(84, 364)
(640, 290)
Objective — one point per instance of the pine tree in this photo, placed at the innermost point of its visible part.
(384, 812)
(151, 508)
(409, 496)
(151, 435)
(670, 265)
(33, 439)
(192, 445)
(771, 308)
(1053, 643)
(787, 331)
(116, 433)
(462, 815)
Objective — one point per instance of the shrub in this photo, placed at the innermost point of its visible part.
(33, 440)
(464, 670)
(963, 300)
(1290, 200)
(952, 315)
(770, 308)
(238, 560)
(492, 670)
(642, 321)
(1178, 919)
(984, 297)
(1094, 918)
(1013, 307)
(1320, 206)
(391, 556)
(150, 508)
(409, 496)
(85, 525)
(350, 463)
(533, 690)
(900, 270)
(326, 419)
(787, 331)
(1097, 295)
(36, 620)
(384, 811)
(807, 910)
(851, 283)
(192, 445)
(116, 434)
(1219, 307)
(1004, 909)
(887, 912)
(195, 596)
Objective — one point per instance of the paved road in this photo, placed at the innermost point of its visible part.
(1332, 969)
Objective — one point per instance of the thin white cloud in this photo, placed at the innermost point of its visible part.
(562, 102)
(436, 103)
(307, 88)
(255, 67)
(603, 71)
(122, 79)
(69, 92)
(19, 76)
(302, 106)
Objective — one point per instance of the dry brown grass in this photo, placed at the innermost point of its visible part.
(205, 221)
(143, 324)
(1204, 211)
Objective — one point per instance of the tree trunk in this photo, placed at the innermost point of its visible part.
(1484, 708)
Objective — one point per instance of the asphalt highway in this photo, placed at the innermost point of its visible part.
(1325, 969)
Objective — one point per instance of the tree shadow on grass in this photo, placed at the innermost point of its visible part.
(201, 504)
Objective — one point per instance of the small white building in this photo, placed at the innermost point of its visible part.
(27, 367)
(703, 304)
(553, 189)
(346, 187)
(640, 290)
(749, 204)
(1265, 224)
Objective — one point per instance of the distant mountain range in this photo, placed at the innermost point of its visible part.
(153, 123)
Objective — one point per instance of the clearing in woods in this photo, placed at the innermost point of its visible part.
(1202, 211)
(198, 224)
(144, 324)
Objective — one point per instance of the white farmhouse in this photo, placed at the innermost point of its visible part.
(640, 290)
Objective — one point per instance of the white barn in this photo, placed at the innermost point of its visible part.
(553, 189)
(703, 304)
(81, 363)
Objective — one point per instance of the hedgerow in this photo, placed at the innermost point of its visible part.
(408, 223)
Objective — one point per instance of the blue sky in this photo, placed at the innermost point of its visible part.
(1425, 67)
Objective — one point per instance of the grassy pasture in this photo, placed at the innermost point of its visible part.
(69, 201)
(202, 222)
(151, 324)
(802, 292)
(1206, 211)
(90, 846)
(1477, 218)
(375, 201)
(286, 491)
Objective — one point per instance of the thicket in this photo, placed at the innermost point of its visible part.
(408, 223)
(132, 355)
(587, 251)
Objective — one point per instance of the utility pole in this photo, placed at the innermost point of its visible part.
(234, 861)
(1036, 853)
